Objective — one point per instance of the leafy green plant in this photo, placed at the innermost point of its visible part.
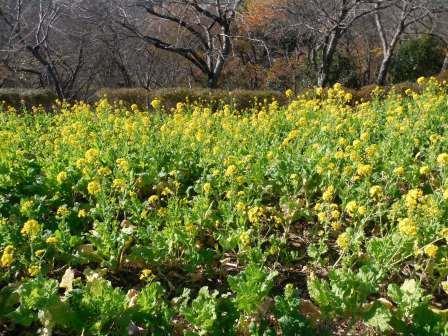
(251, 287)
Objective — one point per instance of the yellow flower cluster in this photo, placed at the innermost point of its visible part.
(431, 250)
(52, 240)
(442, 159)
(91, 155)
(328, 194)
(156, 104)
(7, 257)
(412, 198)
(376, 192)
(94, 187)
(207, 187)
(123, 164)
(62, 211)
(33, 270)
(364, 170)
(351, 208)
(407, 227)
(343, 241)
(31, 229)
(230, 171)
(147, 275)
(61, 177)
(255, 214)
(153, 199)
(118, 184)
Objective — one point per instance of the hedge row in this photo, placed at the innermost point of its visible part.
(169, 97)
(19, 97)
(366, 93)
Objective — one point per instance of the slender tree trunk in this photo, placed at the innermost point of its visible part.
(212, 82)
(322, 77)
(445, 63)
(327, 58)
(51, 71)
(384, 69)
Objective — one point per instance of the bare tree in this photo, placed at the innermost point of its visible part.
(202, 30)
(392, 24)
(440, 29)
(38, 43)
(327, 21)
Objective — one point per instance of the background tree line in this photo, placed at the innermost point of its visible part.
(76, 47)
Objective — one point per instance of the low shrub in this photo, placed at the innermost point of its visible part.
(367, 93)
(27, 98)
(169, 97)
(139, 96)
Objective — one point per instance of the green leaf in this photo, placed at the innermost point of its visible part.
(379, 317)
(251, 287)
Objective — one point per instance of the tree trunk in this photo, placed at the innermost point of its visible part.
(445, 63)
(384, 69)
(322, 77)
(51, 71)
(327, 58)
(212, 82)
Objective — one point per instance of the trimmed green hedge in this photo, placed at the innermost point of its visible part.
(169, 97)
(19, 97)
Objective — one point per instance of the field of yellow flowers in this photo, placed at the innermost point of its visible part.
(323, 217)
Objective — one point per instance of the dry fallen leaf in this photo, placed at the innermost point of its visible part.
(310, 310)
(67, 280)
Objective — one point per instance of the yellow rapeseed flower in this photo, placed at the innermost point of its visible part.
(94, 187)
(156, 104)
(431, 250)
(343, 241)
(289, 93)
(153, 199)
(364, 170)
(240, 207)
(7, 257)
(26, 206)
(399, 171)
(31, 228)
(412, 198)
(245, 239)
(39, 253)
(351, 208)
(336, 225)
(206, 188)
(123, 164)
(230, 171)
(328, 194)
(62, 211)
(52, 240)
(146, 275)
(424, 170)
(407, 227)
(254, 214)
(104, 171)
(82, 213)
(118, 184)
(61, 177)
(33, 270)
(421, 80)
(376, 192)
(91, 155)
(444, 233)
(362, 210)
(442, 159)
